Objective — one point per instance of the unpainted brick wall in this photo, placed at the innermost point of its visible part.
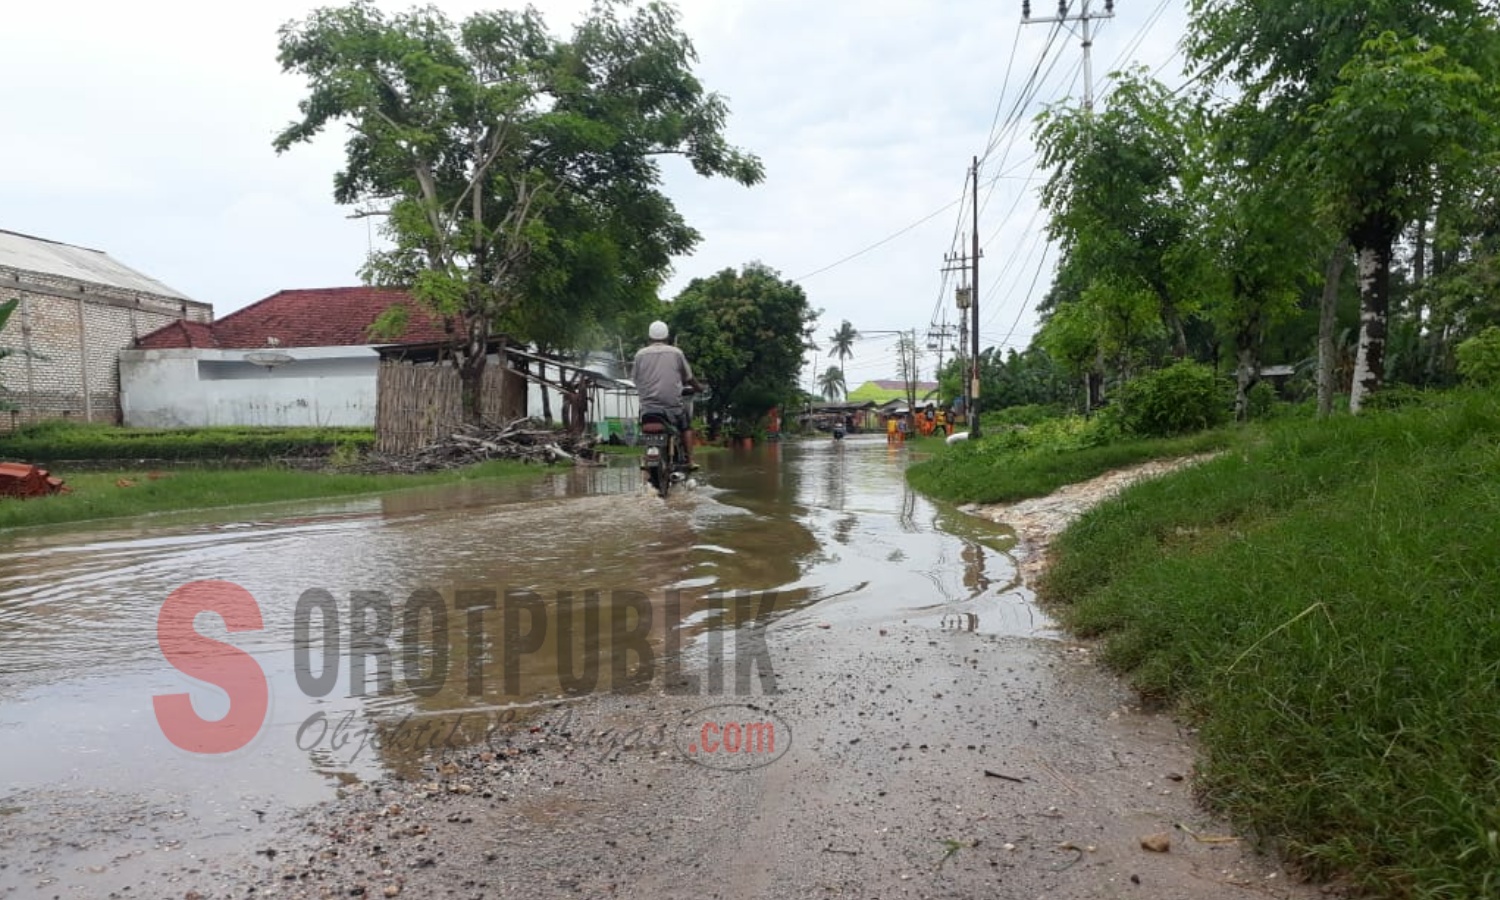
(74, 371)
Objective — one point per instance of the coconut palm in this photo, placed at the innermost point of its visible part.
(6, 309)
(843, 344)
(831, 383)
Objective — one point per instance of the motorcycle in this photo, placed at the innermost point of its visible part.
(838, 431)
(665, 459)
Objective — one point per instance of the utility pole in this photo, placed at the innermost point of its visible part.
(963, 297)
(938, 337)
(1084, 17)
(974, 305)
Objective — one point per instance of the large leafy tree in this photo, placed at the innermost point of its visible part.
(1375, 97)
(1073, 334)
(517, 174)
(1115, 194)
(1010, 378)
(744, 334)
(1463, 291)
(1260, 243)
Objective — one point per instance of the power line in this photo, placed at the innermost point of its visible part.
(883, 241)
(1039, 240)
(1029, 291)
(1135, 44)
(1010, 61)
(1017, 202)
(963, 195)
(1028, 93)
(1031, 81)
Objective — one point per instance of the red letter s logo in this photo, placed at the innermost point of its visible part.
(215, 662)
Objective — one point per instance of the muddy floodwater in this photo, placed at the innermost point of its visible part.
(379, 614)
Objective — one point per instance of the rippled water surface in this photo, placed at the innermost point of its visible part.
(781, 537)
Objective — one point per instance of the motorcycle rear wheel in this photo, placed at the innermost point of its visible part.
(660, 481)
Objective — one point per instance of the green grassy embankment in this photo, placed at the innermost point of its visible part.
(50, 443)
(1010, 465)
(185, 475)
(1324, 601)
(114, 494)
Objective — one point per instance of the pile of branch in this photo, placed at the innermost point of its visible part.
(523, 439)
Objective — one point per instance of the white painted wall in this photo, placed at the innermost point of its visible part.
(327, 386)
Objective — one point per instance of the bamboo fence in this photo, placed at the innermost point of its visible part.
(419, 405)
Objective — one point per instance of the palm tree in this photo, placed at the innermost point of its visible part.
(843, 345)
(6, 309)
(831, 383)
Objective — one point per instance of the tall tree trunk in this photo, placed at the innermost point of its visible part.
(1247, 341)
(1438, 339)
(1246, 374)
(1419, 253)
(1328, 309)
(1096, 381)
(1173, 320)
(1373, 241)
(471, 369)
(546, 399)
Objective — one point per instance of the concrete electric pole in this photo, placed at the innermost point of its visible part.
(1084, 17)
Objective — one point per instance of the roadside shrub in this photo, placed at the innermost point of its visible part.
(345, 453)
(1028, 414)
(1056, 435)
(1479, 357)
(1395, 396)
(1262, 399)
(1185, 396)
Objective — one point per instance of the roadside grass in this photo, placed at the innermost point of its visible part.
(115, 494)
(1322, 602)
(48, 443)
(997, 469)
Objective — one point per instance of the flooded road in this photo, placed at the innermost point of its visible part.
(379, 613)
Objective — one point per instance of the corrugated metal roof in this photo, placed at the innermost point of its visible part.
(33, 254)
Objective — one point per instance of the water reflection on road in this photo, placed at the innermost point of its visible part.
(800, 533)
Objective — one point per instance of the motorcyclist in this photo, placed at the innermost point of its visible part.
(661, 372)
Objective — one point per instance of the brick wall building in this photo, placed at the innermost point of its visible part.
(78, 308)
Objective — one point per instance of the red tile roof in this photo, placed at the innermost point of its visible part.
(322, 317)
(180, 333)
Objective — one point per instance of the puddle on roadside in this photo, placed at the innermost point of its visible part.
(775, 540)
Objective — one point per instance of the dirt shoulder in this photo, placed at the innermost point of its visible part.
(1037, 521)
(915, 764)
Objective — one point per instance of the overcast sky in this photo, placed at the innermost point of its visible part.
(144, 129)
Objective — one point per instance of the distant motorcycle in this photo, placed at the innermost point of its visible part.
(665, 460)
(838, 431)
